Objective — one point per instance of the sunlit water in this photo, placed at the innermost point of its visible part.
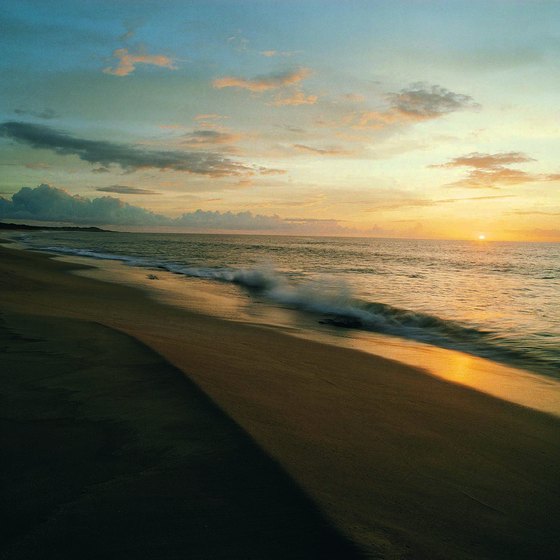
(495, 300)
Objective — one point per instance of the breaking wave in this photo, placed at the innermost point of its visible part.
(334, 304)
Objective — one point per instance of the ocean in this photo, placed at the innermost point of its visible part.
(497, 300)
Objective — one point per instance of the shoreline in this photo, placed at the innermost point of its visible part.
(506, 382)
(405, 464)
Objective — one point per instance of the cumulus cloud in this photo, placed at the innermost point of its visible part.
(201, 219)
(49, 204)
(123, 189)
(264, 83)
(127, 62)
(491, 171)
(297, 98)
(45, 203)
(128, 157)
(417, 103)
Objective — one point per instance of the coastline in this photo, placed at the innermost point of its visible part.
(205, 297)
(405, 464)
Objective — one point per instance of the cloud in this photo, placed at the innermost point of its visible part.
(264, 83)
(123, 189)
(46, 203)
(239, 42)
(37, 165)
(486, 161)
(420, 102)
(209, 116)
(491, 171)
(206, 137)
(128, 157)
(46, 114)
(127, 62)
(426, 202)
(533, 213)
(354, 97)
(322, 151)
(297, 98)
(272, 53)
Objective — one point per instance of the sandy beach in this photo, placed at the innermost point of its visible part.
(243, 442)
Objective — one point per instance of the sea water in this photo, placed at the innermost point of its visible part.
(498, 300)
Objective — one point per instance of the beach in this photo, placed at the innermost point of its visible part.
(293, 449)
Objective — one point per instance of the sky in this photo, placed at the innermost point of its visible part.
(370, 118)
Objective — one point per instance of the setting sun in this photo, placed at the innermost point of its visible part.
(481, 237)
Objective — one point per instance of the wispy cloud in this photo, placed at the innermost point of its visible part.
(123, 189)
(321, 151)
(46, 114)
(127, 62)
(209, 117)
(492, 171)
(264, 83)
(296, 98)
(128, 157)
(210, 137)
(38, 165)
(239, 42)
(486, 161)
(426, 202)
(271, 53)
(533, 213)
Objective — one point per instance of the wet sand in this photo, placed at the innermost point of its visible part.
(404, 464)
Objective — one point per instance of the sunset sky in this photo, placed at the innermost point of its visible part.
(385, 118)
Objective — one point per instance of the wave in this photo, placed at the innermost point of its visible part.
(334, 304)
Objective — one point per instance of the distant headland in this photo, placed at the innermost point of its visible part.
(10, 226)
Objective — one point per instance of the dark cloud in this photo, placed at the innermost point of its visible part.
(46, 114)
(423, 101)
(128, 157)
(123, 189)
(417, 103)
(45, 203)
(491, 171)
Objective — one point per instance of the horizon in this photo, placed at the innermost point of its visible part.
(420, 121)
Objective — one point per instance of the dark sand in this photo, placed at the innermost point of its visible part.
(405, 464)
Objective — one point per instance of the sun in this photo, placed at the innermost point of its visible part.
(481, 237)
